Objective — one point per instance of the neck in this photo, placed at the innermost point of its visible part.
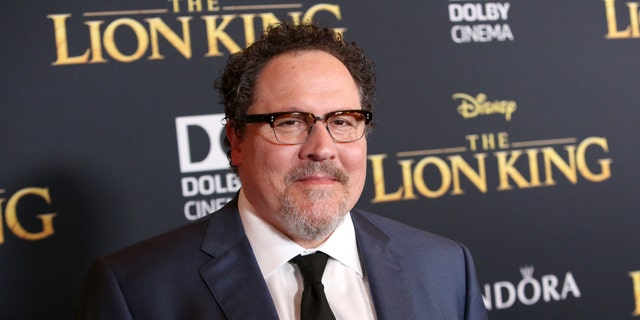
(309, 243)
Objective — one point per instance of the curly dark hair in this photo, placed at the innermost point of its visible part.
(237, 84)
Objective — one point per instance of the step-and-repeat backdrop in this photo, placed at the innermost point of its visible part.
(511, 126)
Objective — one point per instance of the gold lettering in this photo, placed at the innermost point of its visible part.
(62, 45)
(455, 167)
(213, 5)
(176, 5)
(503, 140)
(11, 215)
(471, 107)
(1, 227)
(183, 45)
(473, 140)
(96, 44)
(249, 33)
(217, 33)
(378, 181)
(478, 178)
(488, 141)
(635, 276)
(605, 164)
(334, 9)
(139, 31)
(506, 169)
(418, 177)
(633, 19)
(568, 169)
(295, 17)
(406, 179)
(103, 44)
(534, 173)
(612, 22)
(310, 14)
(194, 5)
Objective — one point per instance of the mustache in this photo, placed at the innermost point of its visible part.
(312, 168)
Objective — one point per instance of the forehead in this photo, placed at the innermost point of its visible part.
(305, 81)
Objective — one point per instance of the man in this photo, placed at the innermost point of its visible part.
(298, 106)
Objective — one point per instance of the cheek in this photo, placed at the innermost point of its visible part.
(354, 160)
(273, 161)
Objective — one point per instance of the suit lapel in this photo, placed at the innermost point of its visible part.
(234, 278)
(383, 267)
(233, 275)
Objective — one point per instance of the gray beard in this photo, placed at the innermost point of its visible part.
(322, 217)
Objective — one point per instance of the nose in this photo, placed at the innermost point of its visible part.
(319, 146)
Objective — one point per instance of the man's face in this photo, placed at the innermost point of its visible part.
(303, 190)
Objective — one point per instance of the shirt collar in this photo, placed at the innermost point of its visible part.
(273, 249)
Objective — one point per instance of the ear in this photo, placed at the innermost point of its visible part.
(234, 141)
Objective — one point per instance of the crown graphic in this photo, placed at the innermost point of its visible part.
(527, 271)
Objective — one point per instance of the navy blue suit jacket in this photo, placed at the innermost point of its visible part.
(207, 270)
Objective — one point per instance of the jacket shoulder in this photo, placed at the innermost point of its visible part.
(399, 233)
(181, 241)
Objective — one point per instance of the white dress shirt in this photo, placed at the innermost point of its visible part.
(345, 286)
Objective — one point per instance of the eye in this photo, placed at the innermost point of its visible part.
(343, 121)
(289, 122)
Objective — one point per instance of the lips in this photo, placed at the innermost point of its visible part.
(320, 179)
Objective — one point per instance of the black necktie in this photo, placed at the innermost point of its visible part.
(314, 304)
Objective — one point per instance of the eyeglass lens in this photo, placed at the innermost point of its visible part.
(294, 128)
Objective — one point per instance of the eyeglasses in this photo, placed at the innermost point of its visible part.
(294, 127)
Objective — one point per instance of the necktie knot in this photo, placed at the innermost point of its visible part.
(311, 266)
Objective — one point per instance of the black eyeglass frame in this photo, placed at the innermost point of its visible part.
(271, 117)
